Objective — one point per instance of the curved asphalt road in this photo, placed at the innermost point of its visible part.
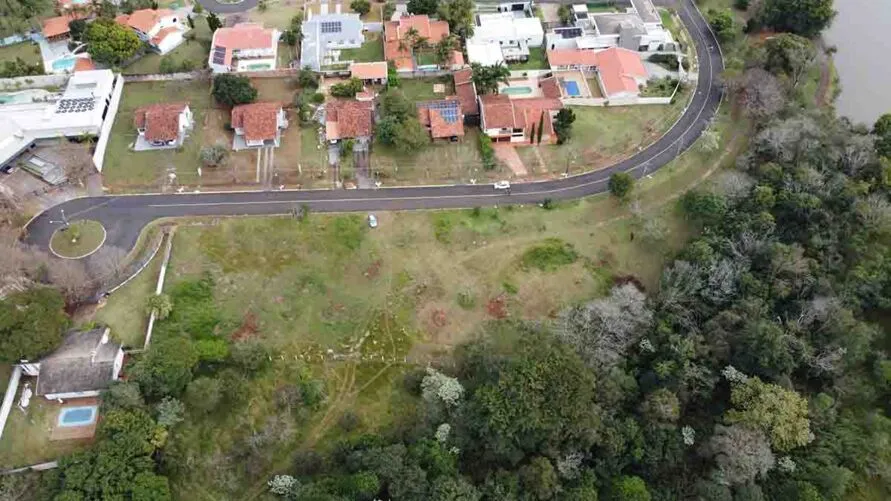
(124, 217)
(227, 8)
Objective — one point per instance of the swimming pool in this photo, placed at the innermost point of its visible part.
(571, 88)
(64, 64)
(261, 66)
(77, 416)
(516, 91)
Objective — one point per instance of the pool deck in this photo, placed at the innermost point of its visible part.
(74, 432)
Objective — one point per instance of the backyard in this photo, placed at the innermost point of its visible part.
(538, 60)
(372, 50)
(422, 89)
(29, 52)
(399, 296)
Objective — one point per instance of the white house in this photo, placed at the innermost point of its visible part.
(258, 125)
(161, 29)
(629, 30)
(504, 37)
(89, 101)
(85, 364)
(325, 34)
(244, 47)
(162, 125)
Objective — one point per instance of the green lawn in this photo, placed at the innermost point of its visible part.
(599, 7)
(148, 170)
(421, 89)
(195, 51)
(79, 239)
(26, 439)
(372, 50)
(603, 136)
(537, 60)
(28, 51)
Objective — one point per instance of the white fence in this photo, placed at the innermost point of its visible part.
(33, 82)
(105, 132)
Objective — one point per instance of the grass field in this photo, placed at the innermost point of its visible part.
(26, 439)
(195, 51)
(537, 61)
(126, 314)
(399, 295)
(30, 52)
(79, 239)
(372, 50)
(421, 89)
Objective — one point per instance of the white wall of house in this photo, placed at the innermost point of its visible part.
(170, 42)
(70, 395)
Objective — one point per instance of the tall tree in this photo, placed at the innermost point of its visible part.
(213, 22)
(231, 90)
(460, 16)
(563, 125)
(882, 131)
(111, 43)
(487, 78)
(789, 54)
(418, 7)
(803, 17)
(31, 324)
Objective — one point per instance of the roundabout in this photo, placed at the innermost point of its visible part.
(78, 240)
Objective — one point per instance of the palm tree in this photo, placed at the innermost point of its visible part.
(444, 48)
(407, 42)
(487, 78)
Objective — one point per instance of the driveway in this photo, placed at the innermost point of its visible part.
(507, 153)
(228, 8)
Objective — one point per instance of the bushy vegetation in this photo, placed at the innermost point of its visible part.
(31, 324)
(231, 90)
(20, 68)
(549, 255)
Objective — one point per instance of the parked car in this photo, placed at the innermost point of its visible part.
(372, 221)
(502, 185)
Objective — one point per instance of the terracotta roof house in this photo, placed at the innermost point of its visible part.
(572, 59)
(620, 72)
(162, 126)
(466, 91)
(370, 73)
(161, 29)
(244, 47)
(258, 125)
(348, 119)
(514, 120)
(56, 28)
(395, 40)
(442, 117)
(84, 64)
(85, 364)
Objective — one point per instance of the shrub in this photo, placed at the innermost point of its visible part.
(466, 299)
(620, 185)
(213, 156)
(317, 98)
(347, 89)
(549, 255)
(487, 152)
(230, 89)
(361, 7)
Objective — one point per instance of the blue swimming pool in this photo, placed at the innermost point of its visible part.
(571, 88)
(64, 64)
(78, 416)
(517, 90)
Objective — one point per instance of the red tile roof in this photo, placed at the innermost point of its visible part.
(550, 88)
(84, 64)
(259, 120)
(348, 118)
(161, 121)
(497, 111)
(368, 71)
(466, 91)
(430, 116)
(56, 26)
(502, 112)
(145, 19)
(565, 57)
(619, 70)
(395, 31)
(243, 36)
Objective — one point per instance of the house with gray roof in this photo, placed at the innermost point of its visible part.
(86, 363)
(638, 28)
(324, 35)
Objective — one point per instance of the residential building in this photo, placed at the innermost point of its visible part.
(325, 34)
(162, 125)
(620, 72)
(161, 29)
(639, 28)
(82, 366)
(55, 29)
(504, 37)
(397, 43)
(515, 120)
(442, 117)
(258, 125)
(89, 101)
(244, 47)
(370, 73)
(54, 45)
(514, 7)
(465, 89)
(348, 119)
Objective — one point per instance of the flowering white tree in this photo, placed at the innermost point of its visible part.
(436, 387)
(442, 432)
(282, 485)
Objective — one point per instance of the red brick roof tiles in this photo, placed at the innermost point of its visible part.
(161, 121)
(259, 120)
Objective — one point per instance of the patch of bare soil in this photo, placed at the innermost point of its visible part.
(497, 307)
(250, 327)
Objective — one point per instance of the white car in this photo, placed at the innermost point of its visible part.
(372, 221)
(502, 185)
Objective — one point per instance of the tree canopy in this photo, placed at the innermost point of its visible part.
(111, 43)
(803, 17)
(31, 324)
(230, 89)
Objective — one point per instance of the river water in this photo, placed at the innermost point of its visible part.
(863, 61)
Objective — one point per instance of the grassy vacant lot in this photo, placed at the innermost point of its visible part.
(195, 51)
(28, 51)
(538, 60)
(372, 50)
(395, 297)
(421, 89)
(602, 136)
(126, 314)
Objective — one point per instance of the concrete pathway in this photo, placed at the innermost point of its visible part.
(507, 153)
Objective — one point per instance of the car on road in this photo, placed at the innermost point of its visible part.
(502, 185)
(372, 221)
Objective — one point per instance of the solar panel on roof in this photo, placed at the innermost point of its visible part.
(581, 15)
(219, 55)
(570, 32)
(331, 27)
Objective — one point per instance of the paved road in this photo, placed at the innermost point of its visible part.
(124, 217)
(227, 8)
